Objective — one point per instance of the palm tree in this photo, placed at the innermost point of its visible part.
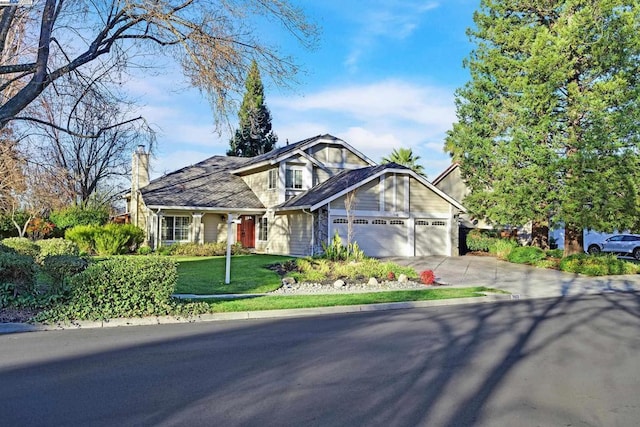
(405, 157)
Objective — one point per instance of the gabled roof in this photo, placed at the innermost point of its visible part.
(208, 184)
(346, 181)
(445, 173)
(282, 153)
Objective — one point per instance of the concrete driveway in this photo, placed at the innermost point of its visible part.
(521, 280)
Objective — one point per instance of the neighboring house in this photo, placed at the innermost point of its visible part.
(292, 200)
(450, 181)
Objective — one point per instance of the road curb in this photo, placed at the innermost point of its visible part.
(7, 328)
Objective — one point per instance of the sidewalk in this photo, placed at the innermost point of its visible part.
(522, 281)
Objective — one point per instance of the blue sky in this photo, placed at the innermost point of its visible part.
(382, 77)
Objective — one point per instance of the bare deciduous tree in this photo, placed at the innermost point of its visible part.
(12, 179)
(86, 167)
(212, 41)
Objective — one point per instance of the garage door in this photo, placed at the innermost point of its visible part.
(432, 237)
(377, 237)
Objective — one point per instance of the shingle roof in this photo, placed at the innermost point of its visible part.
(335, 185)
(444, 173)
(275, 153)
(281, 152)
(208, 184)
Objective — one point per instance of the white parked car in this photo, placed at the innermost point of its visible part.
(620, 244)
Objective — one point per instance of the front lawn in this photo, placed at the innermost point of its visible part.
(330, 300)
(249, 274)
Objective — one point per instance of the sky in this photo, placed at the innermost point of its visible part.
(383, 76)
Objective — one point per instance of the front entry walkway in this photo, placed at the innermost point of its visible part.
(521, 280)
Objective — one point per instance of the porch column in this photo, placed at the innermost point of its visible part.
(159, 217)
(197, 236)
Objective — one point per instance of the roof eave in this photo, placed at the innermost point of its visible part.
(207, 209)
(293, 208)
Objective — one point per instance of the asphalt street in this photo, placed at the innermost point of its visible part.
(540, 362)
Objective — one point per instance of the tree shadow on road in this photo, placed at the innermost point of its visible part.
(477, 364)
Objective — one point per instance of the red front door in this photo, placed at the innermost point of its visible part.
(246, 233)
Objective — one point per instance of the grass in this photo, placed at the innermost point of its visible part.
(330, 300)
(205, 275)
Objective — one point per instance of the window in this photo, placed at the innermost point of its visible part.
(263, 230)
(379, 222)
(294, 178)
(175, 228)
(273, 179)
(397, 222)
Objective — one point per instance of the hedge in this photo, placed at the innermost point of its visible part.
(119, 287)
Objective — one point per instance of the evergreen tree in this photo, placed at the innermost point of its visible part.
(405, 157)
(254, 135)
(548, 124)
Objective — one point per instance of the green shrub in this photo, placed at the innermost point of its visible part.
(206, 249)
(323, 270)
(56, 246)
(336, 251)
(83, 236)
(166, 250)
(597, 265)
(109, 239)
(77, 215)
(17, 277)
(502, 247)
(62, 267)
(547, 263)
(6, 249)
(144, 250)
(119, 287)
(117, 239)
(554, 253)
(481, 240)
(526, 255)
(22, 245)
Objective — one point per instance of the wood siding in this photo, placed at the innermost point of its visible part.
(424, 200)
(320, 176)
(367, 198)
(352, 159)
(453, 185)
(290, 234)
(259, 184)
(215, 228)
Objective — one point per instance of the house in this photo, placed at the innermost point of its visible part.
(293, 199)
(451, 182)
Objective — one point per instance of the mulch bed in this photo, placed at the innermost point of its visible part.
(16, 315)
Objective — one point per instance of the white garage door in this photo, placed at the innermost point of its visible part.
(432, 237)
(377, 237)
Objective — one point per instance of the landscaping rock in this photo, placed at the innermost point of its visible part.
(340, 287)
(372, 282)
(288, 281)
(403, 278)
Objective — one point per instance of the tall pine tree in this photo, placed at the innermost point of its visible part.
(548, 124)
(254, 136)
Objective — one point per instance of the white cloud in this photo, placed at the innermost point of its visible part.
(374, 118)
(384, 20)
(389, 100)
